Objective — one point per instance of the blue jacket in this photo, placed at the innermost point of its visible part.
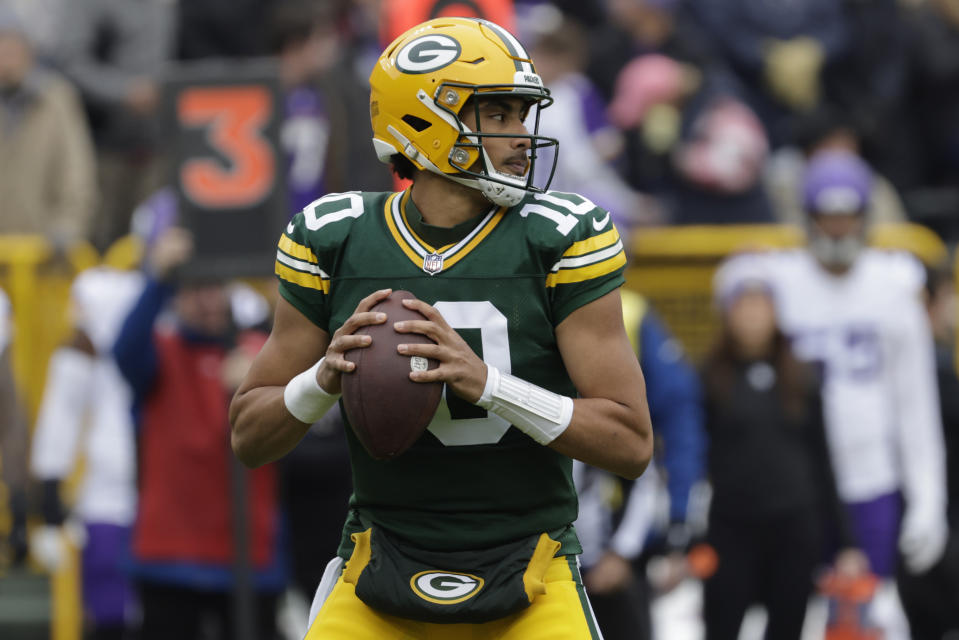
(675, 402)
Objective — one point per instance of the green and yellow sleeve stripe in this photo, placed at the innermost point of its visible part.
(297, 264)
(587, 259)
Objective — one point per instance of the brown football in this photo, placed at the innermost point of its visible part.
(387, 410)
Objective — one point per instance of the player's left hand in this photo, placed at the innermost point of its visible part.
(922, 539)
(611, 574)
(460, 368)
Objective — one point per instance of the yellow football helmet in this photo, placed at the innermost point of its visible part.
(420, 85)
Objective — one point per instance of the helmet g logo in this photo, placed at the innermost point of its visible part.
(443, 587)
(428, 53)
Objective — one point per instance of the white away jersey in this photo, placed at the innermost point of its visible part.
(869, 333)
(101, 298)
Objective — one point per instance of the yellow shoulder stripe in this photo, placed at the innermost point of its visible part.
(587, 272)
(302, 278)
(300, 252)
(594, 243)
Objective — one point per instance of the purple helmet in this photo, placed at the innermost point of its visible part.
(836, 182)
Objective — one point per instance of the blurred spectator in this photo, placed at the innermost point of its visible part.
(870, 81)
(115, 51)
(856, 313)
(691, 142)
(618, 518)
(361, 27)
(635, 28)
(931, 172)
(774, 493)
(47, 180)
(778, 49)
(13, 446)
(942, 303)
(934, 44)
(591, 14)
(826, 131)
(326, 107)
(577, 118)
(931, 599)
(182, 373)
(85, 412)
(41, 21)
(221, 29)
(615, 518)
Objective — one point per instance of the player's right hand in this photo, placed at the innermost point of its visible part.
(344, 339)
(172, 249)
(48, 547)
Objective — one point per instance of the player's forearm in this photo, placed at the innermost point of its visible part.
(608, 435)
(262, 428)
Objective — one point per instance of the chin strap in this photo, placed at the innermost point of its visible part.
(497, 192)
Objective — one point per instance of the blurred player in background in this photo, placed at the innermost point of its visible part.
(85, 412)
(531, 278)
(13, 443)
(857, 313)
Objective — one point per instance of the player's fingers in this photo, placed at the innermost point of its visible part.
(359, 320)
(429, 311)
(427, 328)
(346, 342)
(337, 362)
(428, 375)
(433, 351)
(367, 303)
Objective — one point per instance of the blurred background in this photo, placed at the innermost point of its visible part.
(692, 121)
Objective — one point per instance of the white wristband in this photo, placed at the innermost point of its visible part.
(540, 414)
(305, 399)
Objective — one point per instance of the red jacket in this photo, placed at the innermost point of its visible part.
(185, 457)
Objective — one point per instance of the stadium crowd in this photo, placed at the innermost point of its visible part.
(774, 473)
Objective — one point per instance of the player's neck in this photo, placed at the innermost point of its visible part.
(444, 203)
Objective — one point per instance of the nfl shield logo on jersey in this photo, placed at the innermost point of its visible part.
(433, 263)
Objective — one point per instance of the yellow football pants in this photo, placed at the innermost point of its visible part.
(562, 613)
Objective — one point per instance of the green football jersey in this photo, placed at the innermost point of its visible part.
(471, 481)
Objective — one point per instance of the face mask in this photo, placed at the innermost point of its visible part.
(836, 253)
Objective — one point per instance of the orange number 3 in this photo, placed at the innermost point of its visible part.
(235, 118)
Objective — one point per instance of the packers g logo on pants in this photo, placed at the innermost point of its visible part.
(443, 587)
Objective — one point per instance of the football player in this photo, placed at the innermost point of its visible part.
(520, 289)
(86, 408)
(857, 313)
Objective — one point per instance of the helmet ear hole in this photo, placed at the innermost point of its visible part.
(418, 124)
